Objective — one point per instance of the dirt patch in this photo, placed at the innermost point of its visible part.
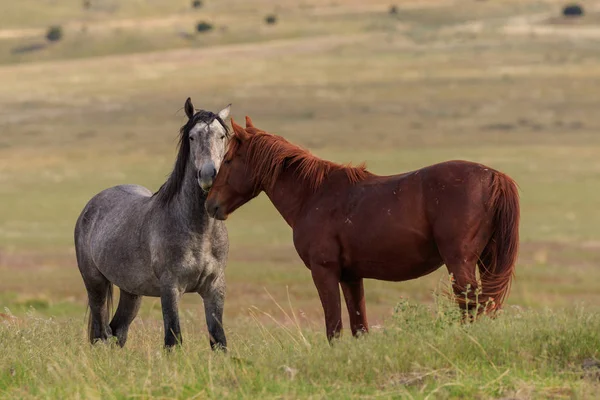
(248, 51)
(417, 378)
(545, 24)
(582, 254)
(539, 24)
(36, 260)
(591, 369)
(571, 31)
(20, 33)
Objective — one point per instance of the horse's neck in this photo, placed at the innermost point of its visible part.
(190, 199)
(289, 194)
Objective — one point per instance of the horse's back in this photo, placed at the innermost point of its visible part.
(123, 193)
(108, 208)
(117, 195)
(133, 190)
(457, 172)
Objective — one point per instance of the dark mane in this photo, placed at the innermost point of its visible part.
(271, 154)
(173, 184)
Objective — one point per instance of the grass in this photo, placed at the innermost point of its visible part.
(422, 352)
(133, 26)
(351, 83)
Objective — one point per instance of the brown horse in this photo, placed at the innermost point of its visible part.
(349, 224)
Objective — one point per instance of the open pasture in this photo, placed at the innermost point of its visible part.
(493, 82)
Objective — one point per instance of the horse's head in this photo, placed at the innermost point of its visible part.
(235, 184)
(207, 135)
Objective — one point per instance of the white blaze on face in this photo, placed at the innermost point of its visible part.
(208, 149)
(217, 144)
(203, 146)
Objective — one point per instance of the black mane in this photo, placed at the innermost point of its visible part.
(172, 186)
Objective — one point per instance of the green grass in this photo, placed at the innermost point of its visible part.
(351, 83)
(421, 352)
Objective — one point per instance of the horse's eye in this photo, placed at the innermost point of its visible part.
(227, 162)
(222, 137)
(191, 138)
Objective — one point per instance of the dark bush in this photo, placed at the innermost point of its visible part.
(204, 26)
(573, 10)
(271, 19)
(54, 33)
(393, 10)
(87, 4)
(196, 4)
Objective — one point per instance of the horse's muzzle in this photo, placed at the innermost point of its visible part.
(206, 176)
(214, 211)
(205, 184)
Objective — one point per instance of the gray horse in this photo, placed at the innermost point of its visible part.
(160, 245)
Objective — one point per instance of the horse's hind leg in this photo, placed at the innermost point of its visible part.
(129, 305)
(99, 299)
(464, 280)
(461, 257)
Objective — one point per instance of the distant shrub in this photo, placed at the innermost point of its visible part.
(204, 26)
(393, 10)
(271, 19)
(573, 10)
(197, 4)
(87, 4)
(54, 33)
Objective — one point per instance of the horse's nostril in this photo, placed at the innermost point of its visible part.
(212, 209)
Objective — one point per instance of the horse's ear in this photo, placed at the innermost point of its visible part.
(238, 131)
(224, 113)
(249, 123)
(189, 108)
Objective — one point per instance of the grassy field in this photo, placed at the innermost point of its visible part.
(525, 354)
(490, 82)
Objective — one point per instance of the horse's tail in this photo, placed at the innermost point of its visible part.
(109, 308)
(497, 265)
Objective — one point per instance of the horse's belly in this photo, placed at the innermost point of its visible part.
(138, 275)
(141, 282)
(395, 272)
(145, 289)
(393, 258)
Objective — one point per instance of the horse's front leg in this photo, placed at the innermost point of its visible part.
(354, 293)
(327, 278)
(214, 302)
(169, 299)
